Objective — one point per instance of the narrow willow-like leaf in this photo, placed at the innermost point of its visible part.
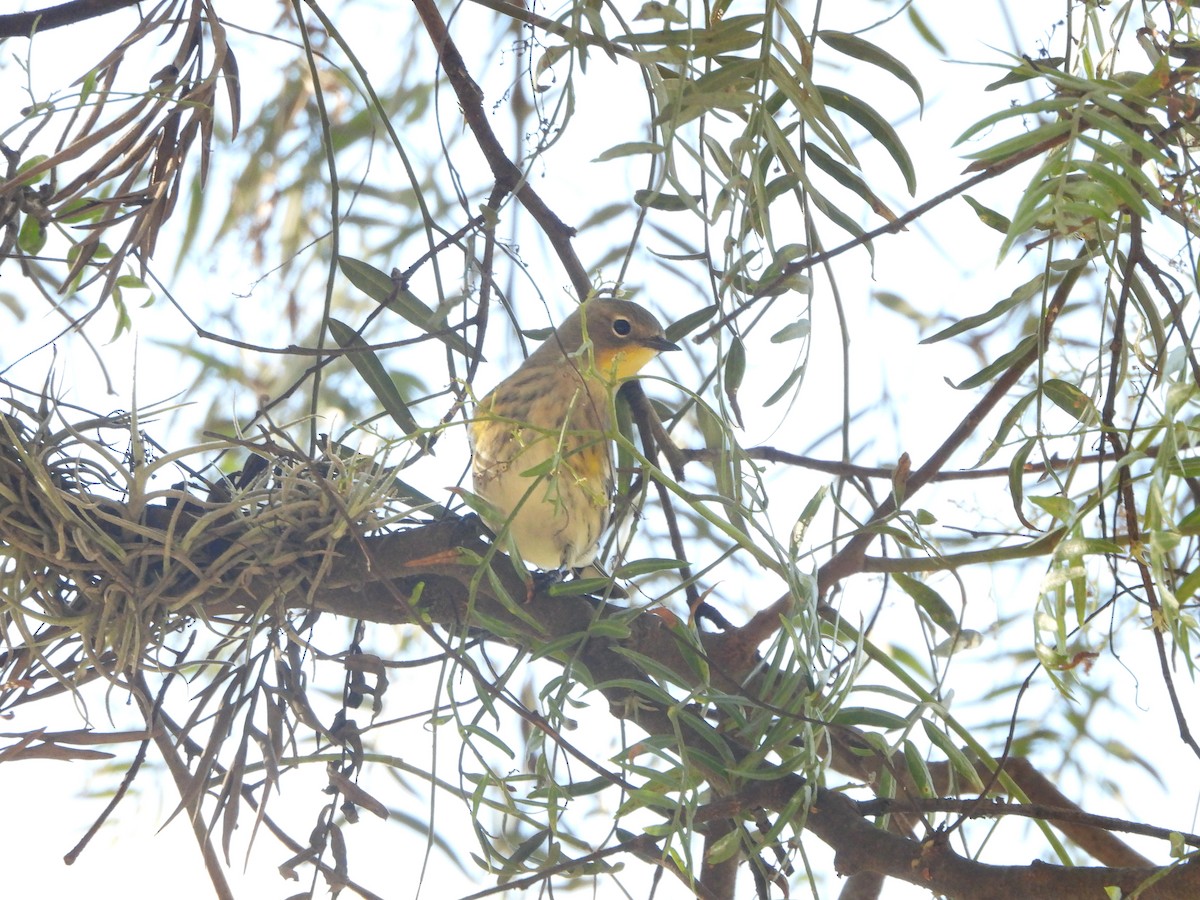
(1026, 71)
(1016, 480)
(629, 148)
(676, 331)
(986, 374)
(861, 716)
(647, 567)
(796, 330)
(1071, 400)
(917, 769)
(989, 216)
(794, 84)
(930, 601)
(380, 287)
(1026, 110)
(1117, 186)
(958, 760)
(735, 365)
(782, 390)
(853, 45)
(1046, 134)
(877, 126)
(847, 178)
(665, 202)
(374, 374)
(1006, 425)
(1021, 295)
(727, 36)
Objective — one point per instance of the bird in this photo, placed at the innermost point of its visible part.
(541, 454)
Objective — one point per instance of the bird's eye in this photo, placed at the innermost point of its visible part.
(621, 327)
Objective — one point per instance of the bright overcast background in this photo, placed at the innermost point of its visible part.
(49, 806)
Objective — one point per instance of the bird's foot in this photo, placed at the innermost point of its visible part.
(543, 580)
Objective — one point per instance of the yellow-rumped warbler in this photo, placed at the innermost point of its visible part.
(540, 441)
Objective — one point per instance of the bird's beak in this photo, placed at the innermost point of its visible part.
(661, 344)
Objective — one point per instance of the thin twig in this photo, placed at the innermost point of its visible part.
(504, 170)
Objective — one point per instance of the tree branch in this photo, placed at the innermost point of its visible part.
(849, 559)
(837, 820)
(25, 24)
(506, 173)
(431, 573)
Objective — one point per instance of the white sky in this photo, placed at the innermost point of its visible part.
(129, 858)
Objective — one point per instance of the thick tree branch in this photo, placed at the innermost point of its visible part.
(977, 809)
(352, 590)
(430, 570)
(931, 864)
(429, 573)
(25, 24)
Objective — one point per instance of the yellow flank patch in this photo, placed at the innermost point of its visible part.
(623, 363)
(590, 462)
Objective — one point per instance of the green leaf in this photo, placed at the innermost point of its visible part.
(988, 216)
(32, 236)
(958, 760)
(1024, 72)
(601, 215)
(965, 639)
(876, 126)
(922, 28)
(811, 508)
(31, 163)
(723, 848)
(525, 849)
(653, 9)
(930, 601)
(847, 178)
(665, 202)
(376, 377)
(1006, 425)
(1071, 400)
(131, 281)
(647, 567)
(917, 769)
(1134, 140)
(380, 287)
(1021, 295)
(735, 366)
(590, 786)
(470, 731)
(1057, 505)
(579, 587)
(782, 390)
(87, 86)
(798, 329)
(630, 148)
(861, 716)
(1190, 525)
(728, 35)
(986, 374)
(853, 45)
(1016, 480)
(1049, 132)
(689, 323)
(81, 209)
(1117, 187)
(900, 536)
